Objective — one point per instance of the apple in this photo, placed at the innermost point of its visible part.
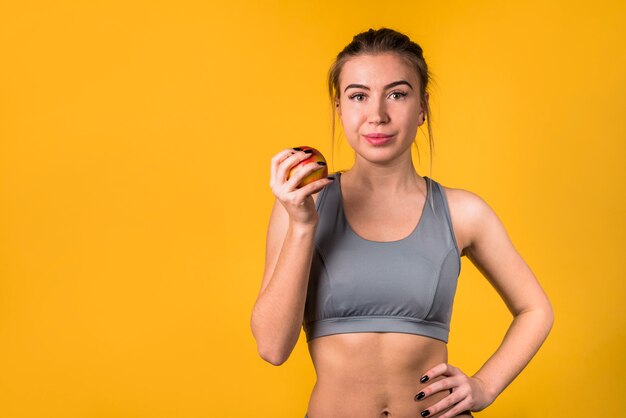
(314, 176)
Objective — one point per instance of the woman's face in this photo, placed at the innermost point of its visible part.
(379, 106)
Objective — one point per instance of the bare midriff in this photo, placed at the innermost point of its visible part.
(372, 375)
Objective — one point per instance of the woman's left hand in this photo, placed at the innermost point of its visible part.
(466, 393)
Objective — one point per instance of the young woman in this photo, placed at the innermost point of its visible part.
(369, 265)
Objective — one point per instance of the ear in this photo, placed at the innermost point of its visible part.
(424, 102)
(337, 107)
(423, 106)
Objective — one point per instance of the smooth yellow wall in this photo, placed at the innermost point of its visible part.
(135, 141)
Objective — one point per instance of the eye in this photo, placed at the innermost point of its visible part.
(357, 97)
(398, 94)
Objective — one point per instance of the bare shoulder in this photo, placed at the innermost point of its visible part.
(489, 247)
(466, 208)
(472, 213)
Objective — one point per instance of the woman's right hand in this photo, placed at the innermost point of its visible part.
(298, 203)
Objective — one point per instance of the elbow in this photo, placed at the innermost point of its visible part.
(268, 350)
(542, 316)
(272, 357)
(550, 316)
(546, 313)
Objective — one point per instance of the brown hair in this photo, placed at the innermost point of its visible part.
(380, 41)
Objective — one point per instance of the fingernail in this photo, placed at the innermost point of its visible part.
(424, 379)
(308, 151)
(425, 413)
(330, 178)
(321, 163)
(419, 396)
(297, 149)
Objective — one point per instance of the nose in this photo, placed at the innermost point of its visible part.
(378, 112)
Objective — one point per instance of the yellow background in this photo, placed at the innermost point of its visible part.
(135, 141)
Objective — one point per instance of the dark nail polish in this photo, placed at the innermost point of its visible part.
(297, 149)
(308, 151)
(321, 163)
(330, 178)
(425, 413)
(424, 379)
(419, 396)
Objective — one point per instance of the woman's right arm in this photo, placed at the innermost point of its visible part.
(279, 309)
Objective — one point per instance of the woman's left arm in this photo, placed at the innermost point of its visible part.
(492, 252)
(494, 255)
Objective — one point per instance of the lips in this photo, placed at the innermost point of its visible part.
(378, 135)
(378, 138)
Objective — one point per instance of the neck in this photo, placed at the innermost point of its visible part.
(395, 177)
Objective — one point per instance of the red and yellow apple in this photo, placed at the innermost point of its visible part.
(315, 175)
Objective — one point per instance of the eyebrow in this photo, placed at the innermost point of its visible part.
(388, 86)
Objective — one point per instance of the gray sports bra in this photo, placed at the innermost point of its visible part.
(358, 285)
